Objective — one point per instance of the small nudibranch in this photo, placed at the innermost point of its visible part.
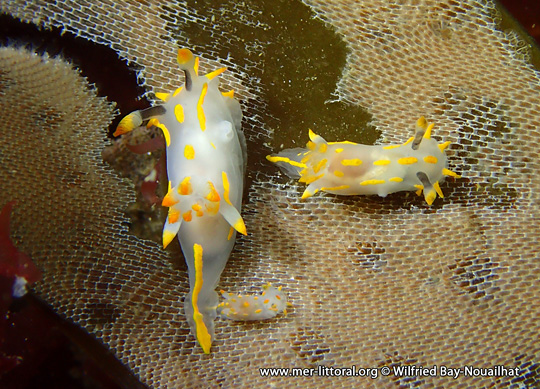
(268, 304)
(347, 168)
(206, 161)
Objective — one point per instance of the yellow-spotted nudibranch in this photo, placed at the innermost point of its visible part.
(206, 160)
(268, 304)
(347, 168)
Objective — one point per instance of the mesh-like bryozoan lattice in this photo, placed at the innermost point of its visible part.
(374, 282)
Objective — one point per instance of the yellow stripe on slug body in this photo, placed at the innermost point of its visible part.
(396, 179)
(189, 152)
(179, 113)
(345, 142)
(381, 162)
(430, 159)
(390, 147)
(225, 187)
(351, 162)
(372, 182)
(286, 160)
(407, 160)
(204, 338)
(334, 188)
(200, 111)
(196, 66)
(166, 133)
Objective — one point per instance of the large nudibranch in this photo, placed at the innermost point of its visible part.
(206, 160)
(348, 168)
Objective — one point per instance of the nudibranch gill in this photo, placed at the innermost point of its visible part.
(348, 168)
(206, 161)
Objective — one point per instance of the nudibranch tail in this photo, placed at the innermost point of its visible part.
(347, 168)
(206, 260)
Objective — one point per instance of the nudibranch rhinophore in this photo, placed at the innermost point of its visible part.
(268, 304)
(206, 161)
(347, 168)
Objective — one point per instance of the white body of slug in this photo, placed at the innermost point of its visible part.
(347, 168)
(206, 160)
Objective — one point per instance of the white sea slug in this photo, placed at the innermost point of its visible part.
(206, 160)
(268, 304)
(348, 168)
